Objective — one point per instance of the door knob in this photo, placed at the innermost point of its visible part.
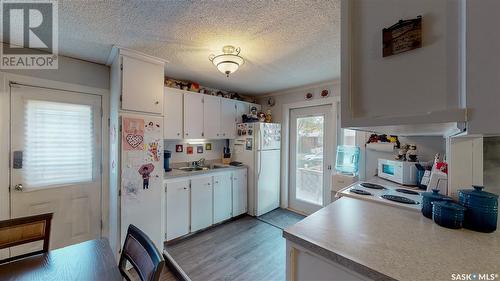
(18, 187)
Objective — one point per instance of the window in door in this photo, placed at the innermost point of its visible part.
(58, 142)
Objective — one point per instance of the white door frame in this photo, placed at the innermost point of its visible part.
(5, 79)
(285, 133)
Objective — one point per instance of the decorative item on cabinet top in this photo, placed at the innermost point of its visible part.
(197, 88)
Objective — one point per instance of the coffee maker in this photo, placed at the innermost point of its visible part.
(166, 160)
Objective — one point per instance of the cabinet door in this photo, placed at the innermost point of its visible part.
(201, 203)
(239, 192)
(172, 114)
(177, 199)
(222, 197)
(228, 118)
(142, 85)
(241, 108)
(193, 116)
(211, 117)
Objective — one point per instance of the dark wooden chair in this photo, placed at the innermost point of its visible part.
(25, 230)
(142, 254)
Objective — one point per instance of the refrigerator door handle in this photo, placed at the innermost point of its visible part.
(260, 165)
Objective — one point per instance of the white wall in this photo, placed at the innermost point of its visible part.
(427, 148)
(182, 157)
(73, 74)
(491, 156)
(296, 95)
(72, 71)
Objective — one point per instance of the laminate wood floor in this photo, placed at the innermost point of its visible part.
(244, 249)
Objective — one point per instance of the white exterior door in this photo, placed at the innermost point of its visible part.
(311, 156)
(177, 199)
(56, 160)
(211, 117)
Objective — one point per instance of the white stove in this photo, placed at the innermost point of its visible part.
(392, 195)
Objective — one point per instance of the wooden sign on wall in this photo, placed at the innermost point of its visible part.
(403, 36)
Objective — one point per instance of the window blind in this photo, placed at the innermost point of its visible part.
(58, 143)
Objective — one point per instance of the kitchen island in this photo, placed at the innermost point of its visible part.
(352, 239)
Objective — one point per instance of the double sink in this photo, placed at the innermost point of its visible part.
(202, 168)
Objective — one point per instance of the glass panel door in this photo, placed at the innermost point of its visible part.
(309, 161)
(310, 157)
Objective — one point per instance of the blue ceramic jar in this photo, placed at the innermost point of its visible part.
(482, 209)
(428, 198)
(448, 214)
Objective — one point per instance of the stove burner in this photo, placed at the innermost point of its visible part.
(372, 185)
(359, 191)
(406, 191)
(399, 199)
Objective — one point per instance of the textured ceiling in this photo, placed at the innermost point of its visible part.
(285, 43)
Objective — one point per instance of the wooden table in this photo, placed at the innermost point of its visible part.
(90, 260)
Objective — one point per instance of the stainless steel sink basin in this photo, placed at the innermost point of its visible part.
(191, 169)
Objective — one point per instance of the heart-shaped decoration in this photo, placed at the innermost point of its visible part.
(134, 140)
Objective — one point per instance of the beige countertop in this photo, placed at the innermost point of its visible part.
(384, 242)
(175, 173)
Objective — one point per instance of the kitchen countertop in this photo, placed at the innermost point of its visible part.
(387, 243)
(175, 173)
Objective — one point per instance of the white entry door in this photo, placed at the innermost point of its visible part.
(311, 157)
(55, 162)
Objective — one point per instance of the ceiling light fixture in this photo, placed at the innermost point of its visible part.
(229, 61)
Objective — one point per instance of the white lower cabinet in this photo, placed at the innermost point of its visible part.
(239, 184)
(201, 203)
(195, 203)
(177, 200)
(222, 197)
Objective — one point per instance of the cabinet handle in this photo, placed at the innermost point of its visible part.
(208, 184)
(217, 134)
(157, 102)
(178, 134)
(202, 134)
(187, 134)
(185, 188)
(224, 134)
(217, 182)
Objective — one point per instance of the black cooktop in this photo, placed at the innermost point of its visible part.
(399, 199)
(372, 185)
(359, 191)
(406, 191)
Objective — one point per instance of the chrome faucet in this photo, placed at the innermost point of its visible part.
(199, 163)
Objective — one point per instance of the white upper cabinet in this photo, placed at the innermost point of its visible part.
(482, 67)
(228, 118)
(418, 92)
(142, 85)
(212, 117)
(173, 114)
(136, 81)
(193, 116)
(241, 108)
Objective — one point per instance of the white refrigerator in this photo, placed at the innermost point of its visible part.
(258, 145)
(141, 173)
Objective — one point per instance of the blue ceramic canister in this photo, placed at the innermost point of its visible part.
(448, 214)
(482, 209)
(428, 198)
